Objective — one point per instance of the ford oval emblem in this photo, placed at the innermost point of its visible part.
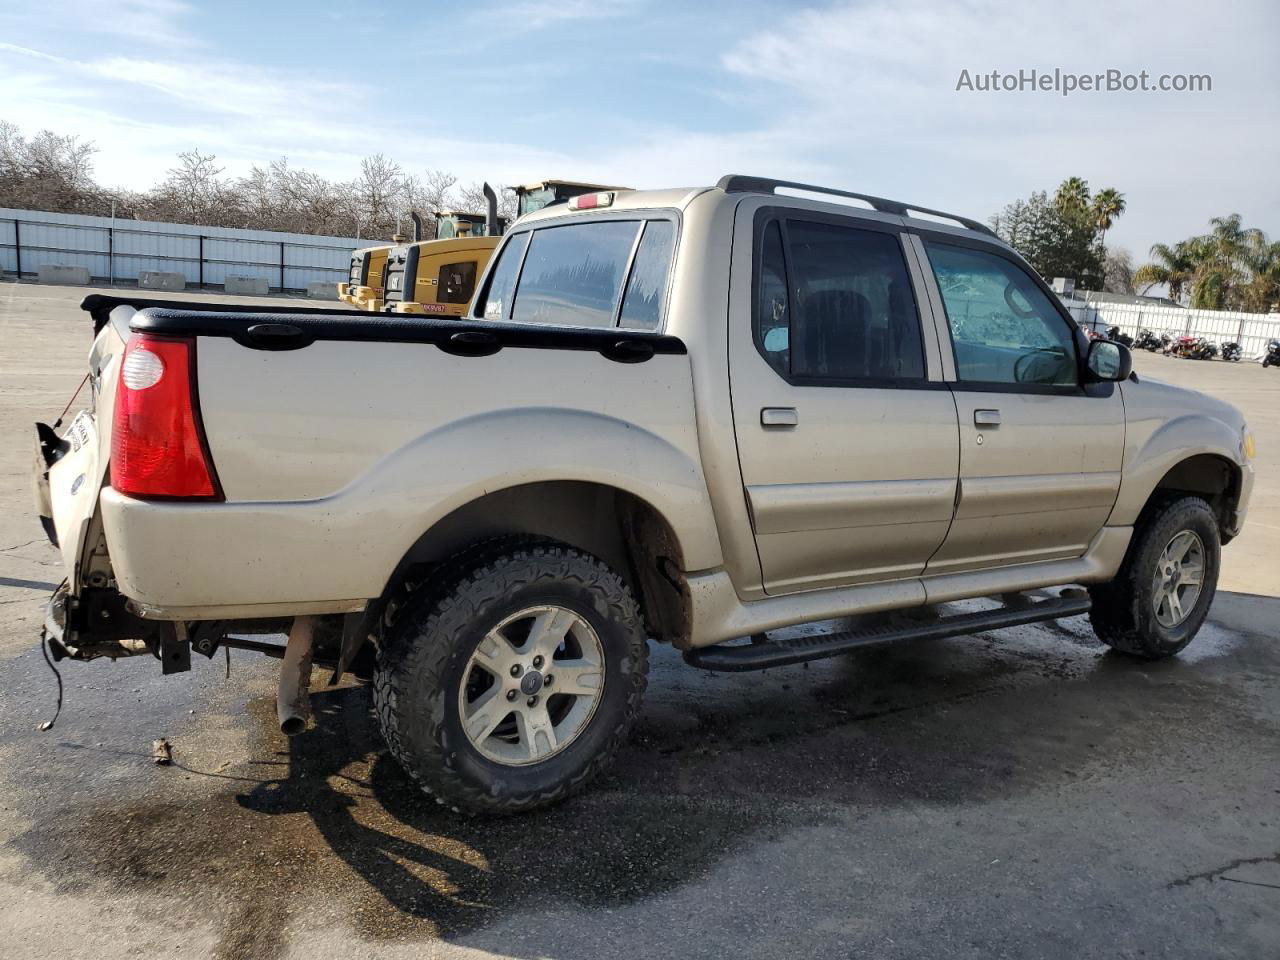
(76, 484)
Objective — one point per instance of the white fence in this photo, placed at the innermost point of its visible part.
(121, 249)
(1250, 330)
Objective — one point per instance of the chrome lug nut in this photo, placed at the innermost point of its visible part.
(515, 670)
(533, 701)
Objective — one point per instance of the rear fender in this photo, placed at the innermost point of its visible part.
(469, 458)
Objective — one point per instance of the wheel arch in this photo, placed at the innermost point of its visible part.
(1212, 476)
(622, 529)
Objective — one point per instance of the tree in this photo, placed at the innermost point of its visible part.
(1072, 197)
(48, 172)
(1054, 240)
(1262, 293)
(1117, 271)
(1232, 267)
(1173, 266)
(1107, 205)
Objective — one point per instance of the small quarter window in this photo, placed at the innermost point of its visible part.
(642, 304)
(502, 282)
(773, 321)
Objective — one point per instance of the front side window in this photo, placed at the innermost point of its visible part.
(854, 315)
(1003, 327)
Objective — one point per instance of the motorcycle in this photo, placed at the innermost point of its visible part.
(1272, 357)
(1231, 351)
(1119, 336)
(1146, 340)
(1190, 347)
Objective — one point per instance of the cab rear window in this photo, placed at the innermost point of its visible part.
(598, 273)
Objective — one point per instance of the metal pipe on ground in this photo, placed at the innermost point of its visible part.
(293, 702)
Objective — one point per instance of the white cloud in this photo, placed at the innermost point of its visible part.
(152, 22)
(536, 14)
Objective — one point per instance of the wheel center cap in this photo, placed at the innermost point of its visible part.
(531, 683)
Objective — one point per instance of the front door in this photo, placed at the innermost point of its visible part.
(1040, 453)
(846, 433)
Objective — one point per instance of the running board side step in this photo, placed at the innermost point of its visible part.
(738, 658)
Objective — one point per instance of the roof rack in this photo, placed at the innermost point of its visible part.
(737, 183)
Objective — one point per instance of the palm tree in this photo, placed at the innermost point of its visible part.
(1107, 205)
(1263, 289)
(1224, 268)
(1174, 266)
(1072, 197)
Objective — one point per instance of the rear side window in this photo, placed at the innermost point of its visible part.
(573, 274)
(502, 284)
(837, 306)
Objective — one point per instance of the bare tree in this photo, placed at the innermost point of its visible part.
(52, 172)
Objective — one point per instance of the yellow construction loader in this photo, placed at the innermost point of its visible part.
(364, 283)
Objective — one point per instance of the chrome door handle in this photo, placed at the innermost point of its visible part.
(779, 417)
(986, 418)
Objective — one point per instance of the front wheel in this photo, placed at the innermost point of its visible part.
(1161, 595)
(513, 683)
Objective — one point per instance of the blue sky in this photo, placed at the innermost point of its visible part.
(857, 94)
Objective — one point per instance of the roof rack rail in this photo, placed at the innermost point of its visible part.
(737, 183)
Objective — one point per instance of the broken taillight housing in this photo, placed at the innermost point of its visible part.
(158, 448)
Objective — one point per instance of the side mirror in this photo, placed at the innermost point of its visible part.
(1108, 360)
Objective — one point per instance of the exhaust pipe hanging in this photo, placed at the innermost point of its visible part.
(492, 227)
(417, 226)
(293, 702)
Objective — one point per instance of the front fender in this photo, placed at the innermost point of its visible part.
(1153, 449)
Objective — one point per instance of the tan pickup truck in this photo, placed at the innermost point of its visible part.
(694, 416)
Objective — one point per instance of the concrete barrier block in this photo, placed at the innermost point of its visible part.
(247, 286)
(322, 291)
(57, 273)
(160, 280)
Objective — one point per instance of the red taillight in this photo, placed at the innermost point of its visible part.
(157, 440)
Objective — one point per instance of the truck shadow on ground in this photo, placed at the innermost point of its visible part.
(327, 824)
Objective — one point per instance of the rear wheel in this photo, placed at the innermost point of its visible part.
(512, 683)
(1157, 602)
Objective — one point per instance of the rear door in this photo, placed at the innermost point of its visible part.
(846, 433)
(1040, 453)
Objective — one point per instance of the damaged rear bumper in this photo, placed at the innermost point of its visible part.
(97, 624)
